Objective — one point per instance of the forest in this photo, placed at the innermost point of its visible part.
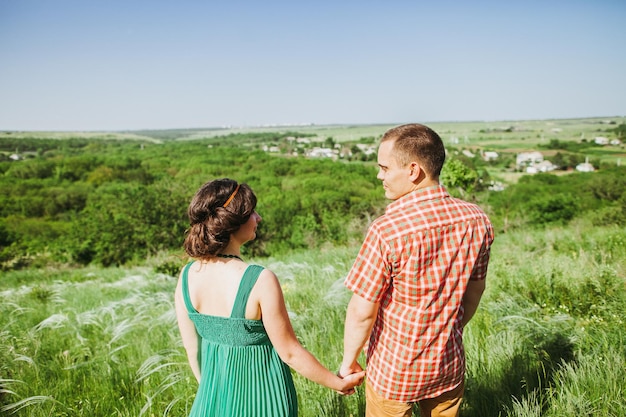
(113, 202)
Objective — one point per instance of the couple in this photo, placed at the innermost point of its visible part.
(416, 282)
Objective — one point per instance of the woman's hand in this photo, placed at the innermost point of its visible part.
(351, 378)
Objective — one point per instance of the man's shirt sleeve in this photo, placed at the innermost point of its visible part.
(482, 262)
(371, 273)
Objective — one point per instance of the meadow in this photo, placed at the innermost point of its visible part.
(548, 340)
(90, 232)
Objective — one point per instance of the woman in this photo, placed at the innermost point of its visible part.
(232, 316)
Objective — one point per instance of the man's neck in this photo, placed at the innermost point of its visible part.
(425, 183)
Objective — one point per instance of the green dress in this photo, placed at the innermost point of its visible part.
(241, 373)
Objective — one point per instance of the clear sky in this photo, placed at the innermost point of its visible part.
(117, 65)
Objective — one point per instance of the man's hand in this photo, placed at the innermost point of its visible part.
(348, 369)
(353, 375)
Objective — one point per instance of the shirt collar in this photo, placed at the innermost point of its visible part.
(418, 196)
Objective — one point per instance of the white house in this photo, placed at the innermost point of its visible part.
(545, 166)
(366, 149)
(585, 166)
(321, 153)
(273, 149)
(490, 155)
(601, 140)
(528, 158)
(496, 186)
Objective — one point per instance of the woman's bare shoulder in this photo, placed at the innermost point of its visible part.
(267, 284)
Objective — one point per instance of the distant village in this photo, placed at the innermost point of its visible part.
(529, 162)
(310, 148)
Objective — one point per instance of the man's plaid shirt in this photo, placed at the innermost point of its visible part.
(416, 261)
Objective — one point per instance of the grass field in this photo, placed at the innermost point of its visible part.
(74, 135)
(504, 137)
(491, 133)
(548, 340)
(478, 132)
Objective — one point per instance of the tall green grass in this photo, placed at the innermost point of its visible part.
(548, 339)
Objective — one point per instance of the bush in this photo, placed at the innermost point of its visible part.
(552, 209)
(610, 215)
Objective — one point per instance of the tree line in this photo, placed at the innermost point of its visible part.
(114, 202)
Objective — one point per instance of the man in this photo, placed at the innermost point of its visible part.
(416, 282)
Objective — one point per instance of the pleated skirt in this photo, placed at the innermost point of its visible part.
(244, 381)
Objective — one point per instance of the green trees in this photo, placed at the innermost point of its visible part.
(123, 221)
(558, 208)
(549, 199)
(317, 204)
(455, 175)
(115, 202)
(620, 131)
(112, 203)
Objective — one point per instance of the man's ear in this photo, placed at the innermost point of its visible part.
(416, 173)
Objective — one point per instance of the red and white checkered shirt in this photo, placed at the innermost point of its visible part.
(416, 261)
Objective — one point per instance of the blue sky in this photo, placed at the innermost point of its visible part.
(117, 65)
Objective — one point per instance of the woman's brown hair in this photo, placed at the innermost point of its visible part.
(218, 209)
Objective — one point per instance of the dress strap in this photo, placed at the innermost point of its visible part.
(245, 287)
(190, 307)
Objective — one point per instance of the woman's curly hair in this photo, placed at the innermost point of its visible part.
(213, 218)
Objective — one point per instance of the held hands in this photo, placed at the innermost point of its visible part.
(352, 376)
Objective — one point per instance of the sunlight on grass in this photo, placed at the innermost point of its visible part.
(548, 339)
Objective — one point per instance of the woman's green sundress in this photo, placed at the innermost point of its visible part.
(241, 373)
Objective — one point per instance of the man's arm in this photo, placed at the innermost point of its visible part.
(360, 317)
(471, 299)
(476, 283)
